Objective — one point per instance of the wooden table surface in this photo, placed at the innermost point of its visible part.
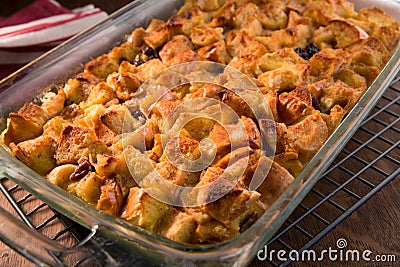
(375, 226)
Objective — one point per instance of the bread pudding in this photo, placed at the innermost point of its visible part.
(309, 60)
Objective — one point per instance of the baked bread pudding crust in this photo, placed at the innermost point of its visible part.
(312, 61)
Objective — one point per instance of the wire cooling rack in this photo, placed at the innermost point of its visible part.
(368, 162)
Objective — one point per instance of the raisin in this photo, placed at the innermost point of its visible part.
(301, 52)
(188, 14)
(68, 102)
(138, 61)
(150, 52)
(312, 49)
(81, 171)
(315, 103)
(138, 114)
(307, 52)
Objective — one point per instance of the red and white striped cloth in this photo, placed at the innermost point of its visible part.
(39, 27)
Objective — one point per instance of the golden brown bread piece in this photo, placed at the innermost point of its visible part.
(108, 63)
(271, 98)
(310, 59)
(185, 56)
(351, 78)
(53, 103)
(124, 85)
(171, 173)
(25, 124)
(111, 199)
(210, 5)
(240, 43)
(88, 188)
(283, 78)
(55, 126)
(294, 105)
(205, 35)
(368, 72)
(37, 153)
(157, 33)
(234, 207)
(224, 15)
(276, 180)
(274, 136)
(253, 133)
(345, 33)
(137, 37)
(326, 63)
(143, 210)
(216, 52)
(77, 144)
(252, 26)
(199, 128)
(371, 51)
(389, 37)
(100, 94)
(60, 175)
(290, 161)
(247, 64)
(149, 69)
(221, 139)
(20, 128)
(341, 94)
(101, 66)
(212, 232)
(334, 118)
(177, 44)
(307, 136)
(115, 166)
(177, 225)
(113, 118)
(281, 58)
(78, 89)
(376, 17)
(161, 110)
(296, 36)
(236, 155)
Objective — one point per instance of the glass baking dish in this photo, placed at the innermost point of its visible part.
(140, 246)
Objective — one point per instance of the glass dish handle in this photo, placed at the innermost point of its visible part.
(43, 251)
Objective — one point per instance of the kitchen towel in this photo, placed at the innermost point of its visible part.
(38, 28)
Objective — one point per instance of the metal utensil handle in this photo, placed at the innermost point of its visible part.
(46, 252)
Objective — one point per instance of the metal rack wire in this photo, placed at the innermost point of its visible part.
(27, 207)
(368, 162)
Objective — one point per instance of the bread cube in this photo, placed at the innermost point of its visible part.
(111, 198)
(307, 136)
(173, 47)
(240, 43)
(177, 225)
(89, 188)
(205, 35)
(37, 153)
(60, 175)
(77, 144)
(276, 181)
(144, 210)
(285, 57)
(294, 104)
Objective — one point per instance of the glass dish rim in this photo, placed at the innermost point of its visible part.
(278, 211)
